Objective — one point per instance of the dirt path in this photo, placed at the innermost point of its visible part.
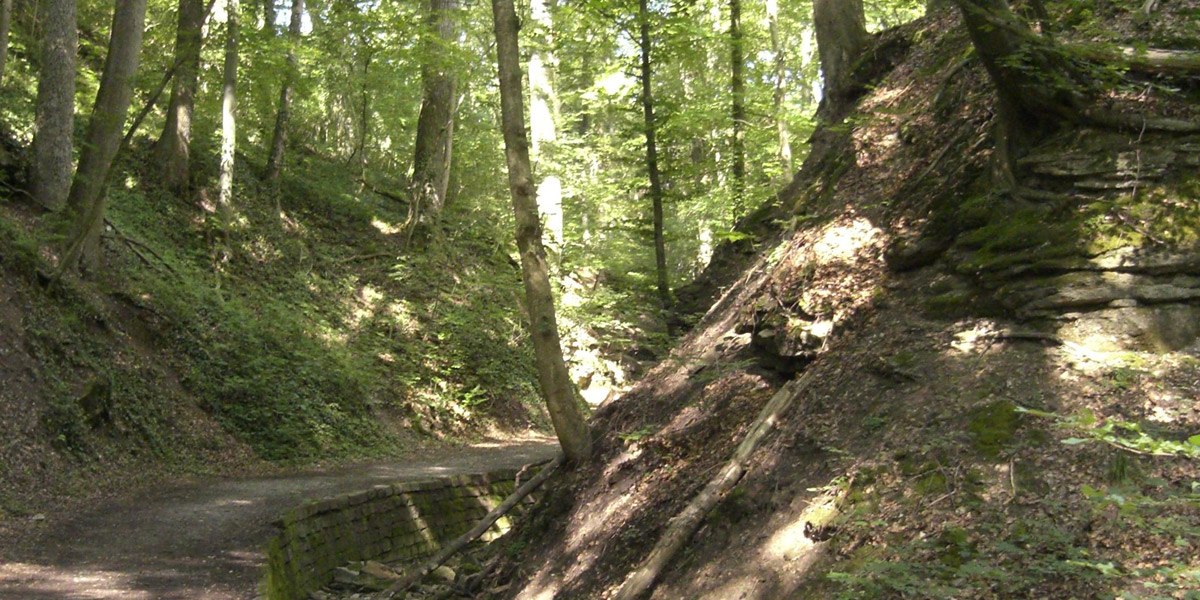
(204, 540)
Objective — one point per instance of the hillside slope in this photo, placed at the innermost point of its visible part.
(1002, 384)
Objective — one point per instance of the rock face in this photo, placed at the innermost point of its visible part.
(1104, 241)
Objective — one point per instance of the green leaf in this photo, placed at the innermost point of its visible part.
(1194, 440)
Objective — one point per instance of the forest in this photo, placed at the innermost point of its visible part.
(599, 299)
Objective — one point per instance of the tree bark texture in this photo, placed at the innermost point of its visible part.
(105, 128)
(841, 36)
(228, 114)
(557, 388)
(54, 123)
(279, 137)
(435, 124)
(174, 145)
(656, 188)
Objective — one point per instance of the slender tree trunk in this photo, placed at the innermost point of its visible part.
(279, 138)
(174, 145)
(364, 134)
(105, 128)
(841, 36)
(431, 153)
(565, 411)
(543, 122)
(785, 138)
(5, 23)
(656, 190)
(268, 15)
(54, 123)
(228, 115)
(737, 63)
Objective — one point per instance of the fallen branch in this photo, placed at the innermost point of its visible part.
(683, 525)
(480, 528)
(135, 243)
(1139, 123)
(1151, 61)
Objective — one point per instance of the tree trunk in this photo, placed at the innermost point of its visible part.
(174, 145)
(54, 123)
(737, 78)
(841, 35)
(5, 22)
(268, 15)
(279, 138)
(543, 125)
(1037, 85)
(105, 128)
(565, 411)
(228, 115)
(431, 153)
(785, 138)
(656, 189)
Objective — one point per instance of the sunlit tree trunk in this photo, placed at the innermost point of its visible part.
(105, 128)
(543, 128)
(174, 145)
(435, 124)
(656, 189)
(54, 123)
(228, 114)
(781, 125)
(841, 36)
(737, 64)
(5, 23)
(553, 378)
(279, 138)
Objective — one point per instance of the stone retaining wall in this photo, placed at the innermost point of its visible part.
(404, 521)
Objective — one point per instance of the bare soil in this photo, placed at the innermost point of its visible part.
(204, 539)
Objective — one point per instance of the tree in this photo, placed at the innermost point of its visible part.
(54, 123)
(737, 62)
(553, 378)
(86, 200)
(780, 92)
(228, 114)
(435, 125)
(5, 21)
(279, 138)
(1037, 85)
(174, 145)
(841, 36)
(543, 127)
(656, 189)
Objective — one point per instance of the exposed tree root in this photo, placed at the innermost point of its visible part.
(1139, 123)
(454, 547)
(683, 525)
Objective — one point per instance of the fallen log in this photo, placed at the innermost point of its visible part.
(454, 547)
(1150, 61)
(683, 525)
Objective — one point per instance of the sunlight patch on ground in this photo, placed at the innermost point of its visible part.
(841, 242)
(386, 228)
(50, 582)
(790, 542)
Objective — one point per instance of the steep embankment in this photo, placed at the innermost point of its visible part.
(306, 334)
(1003, 382)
